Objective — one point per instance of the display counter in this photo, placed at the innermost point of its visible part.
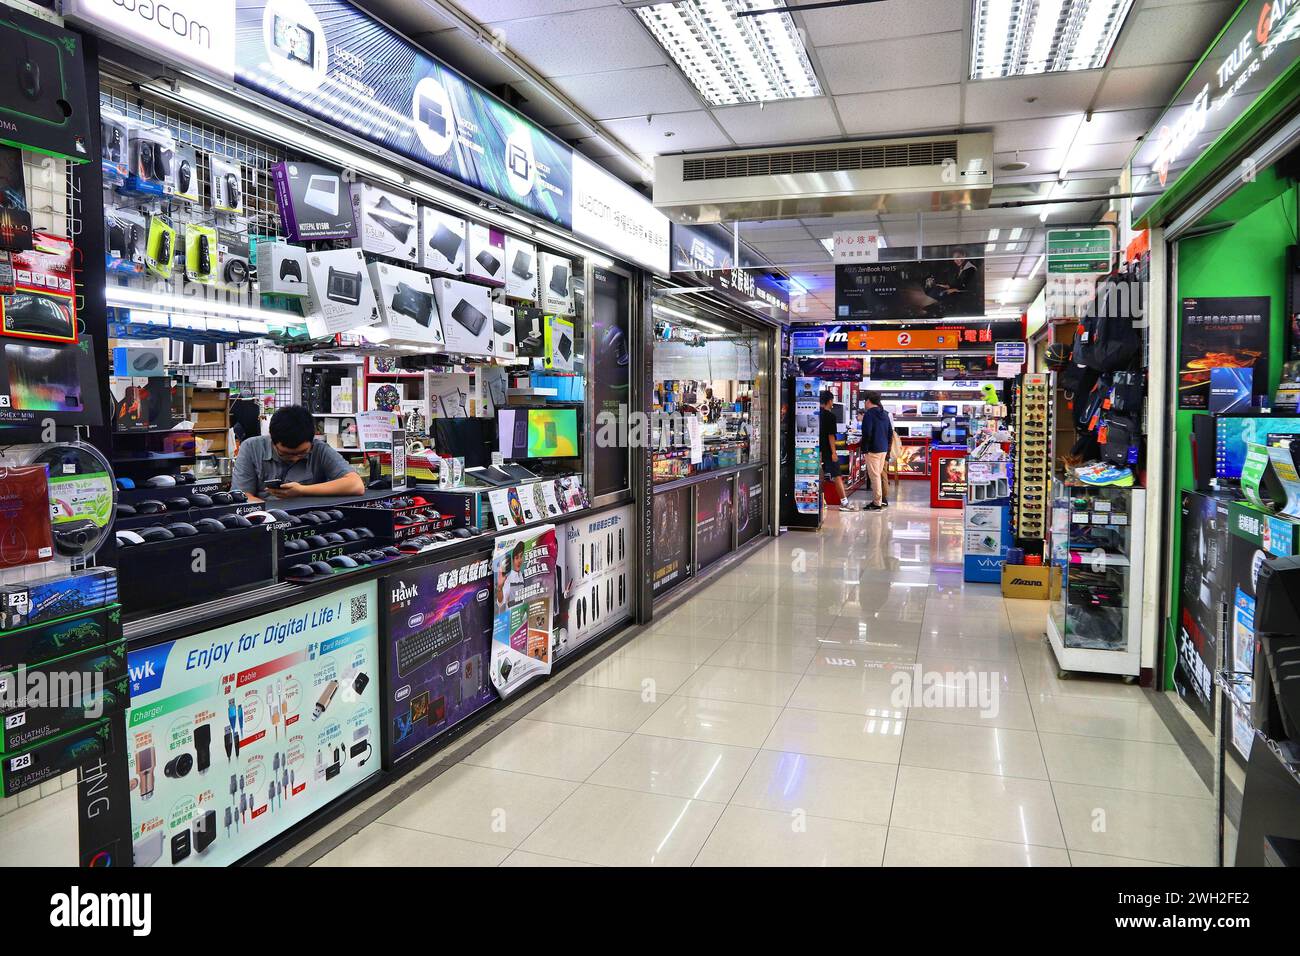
(947, 476)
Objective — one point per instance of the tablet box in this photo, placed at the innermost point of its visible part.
(555, 281)
(521, 269)
(386, 222)
(31, 726)
(560, 344)
(442, 241)
(35, 765)
(503, 330)
(407, 308)
(341, 295)
(281, 268)
(33, 602)
(487, 254)
(466, 311)
(314, 202)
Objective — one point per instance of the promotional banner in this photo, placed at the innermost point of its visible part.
(915, 368)
(595, 577)
(614, 215)
(1222, 333)
(973, 336)
(832, 369)
(236, 734)
(1076, 259)
(714, 520)
(944, 282)
(750, 505)
(671, 539)
(438, 647)
(1203, 601)
(523, 606)
(611, 343)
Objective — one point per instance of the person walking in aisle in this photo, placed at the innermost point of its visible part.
(876, 431)
(830, 454)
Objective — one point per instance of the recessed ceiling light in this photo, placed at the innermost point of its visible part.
(1025, 37)
(732, 59)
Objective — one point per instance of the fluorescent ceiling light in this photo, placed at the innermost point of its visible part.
(1037, 265)
(993, 234)
(732, 59)
(1025, 37)
(163, 304)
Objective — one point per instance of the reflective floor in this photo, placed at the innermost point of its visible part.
(839, 698)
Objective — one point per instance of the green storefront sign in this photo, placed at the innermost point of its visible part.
(1071, 251)
(1245, 80)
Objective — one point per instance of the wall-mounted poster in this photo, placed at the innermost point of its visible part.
(1222, 333)
(751, 514)
(714, 520)
(595, 577)
(437, 649)
(523, 602)
(946, 281)
(236, 734)
(671, 539)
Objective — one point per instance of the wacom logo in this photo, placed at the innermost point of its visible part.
(76, 909)
(170, 19)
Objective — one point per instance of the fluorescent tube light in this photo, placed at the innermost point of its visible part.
(1026, 37)
(119, 297)
(1037, 265)
(732, 59)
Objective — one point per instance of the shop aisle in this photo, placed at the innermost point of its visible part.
(757, 724)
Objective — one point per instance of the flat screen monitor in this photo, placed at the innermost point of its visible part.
(538, 433)
(1232, 433)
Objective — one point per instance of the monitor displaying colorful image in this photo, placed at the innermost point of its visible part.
(43, 379)
(1232, 433)
(552, 433)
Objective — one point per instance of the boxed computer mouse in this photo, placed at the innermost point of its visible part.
(466, 311)
(43, 305)
(45, 104)
(200, 254)
(234, 270)
(314, 202)
(153, 161)
(442, 241)
(485, 258)
(407, 309)
(114, 147)
(226, 182)
(139, 360)
(186, 177)
(521, 269)
(558, 352)
(341, 294)
(386, 222)
(503, 330)
(555, 279)
(281, 268)
(125, 232)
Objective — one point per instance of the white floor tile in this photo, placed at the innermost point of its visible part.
(750, 837)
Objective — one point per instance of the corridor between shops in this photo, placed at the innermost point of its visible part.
(758, 722)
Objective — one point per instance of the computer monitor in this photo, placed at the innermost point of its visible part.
(1233, 432)
(538, 433)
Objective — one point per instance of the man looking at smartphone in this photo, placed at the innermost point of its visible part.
(290, 463)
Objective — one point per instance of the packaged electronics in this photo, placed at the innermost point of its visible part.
(556, 283)
(466, 311)
(153, 158)
(442, 241)
(83, 497)
(144, 404)
(42, 305)
(34, 765)
(126, 232)
(406, 305)
(341, 294)
(234, 270)
(314, 202)
(186, 174)
(200, 254)
(33, 602)
(559, 348)
(281, 268)
(503, 330)
(521, 269)
(226, 185)
(37, 643)
(486, 255)
(43, 90)
(114, 147)
(160, 246)
(386, 222)
(529, 338)
(134, 360)
(25, 536)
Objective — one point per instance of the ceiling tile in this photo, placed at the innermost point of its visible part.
(654, 89)
(785, 232)
(893, 64)
(489, 11)
(988, 101)
(1033, 133)
(566, 44)
(1170, 34)
(691, 130)
(415, 20)
(786, 121)
(934, 107)
(1118, 126)
(882, 21)
(1136, 87)
(540, 106)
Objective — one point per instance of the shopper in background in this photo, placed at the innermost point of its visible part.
(876, 431)
(830, 453)
(290, 463)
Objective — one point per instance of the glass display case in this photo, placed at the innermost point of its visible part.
(1097, 541)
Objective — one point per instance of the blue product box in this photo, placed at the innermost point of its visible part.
(32, 602)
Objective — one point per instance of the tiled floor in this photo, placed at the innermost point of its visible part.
(760, 723)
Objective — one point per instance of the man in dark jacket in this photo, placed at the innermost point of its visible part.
(876, 429)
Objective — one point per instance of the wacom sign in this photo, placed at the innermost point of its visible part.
(200, 33)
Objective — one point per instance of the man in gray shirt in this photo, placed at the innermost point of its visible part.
(290, 463)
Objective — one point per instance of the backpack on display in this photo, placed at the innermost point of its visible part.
(1112, 341)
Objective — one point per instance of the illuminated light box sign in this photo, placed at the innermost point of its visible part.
(955, 336)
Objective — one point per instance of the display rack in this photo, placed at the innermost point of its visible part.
(1034, 443)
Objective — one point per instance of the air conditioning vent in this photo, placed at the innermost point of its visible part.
(907, 174)
(788, 162)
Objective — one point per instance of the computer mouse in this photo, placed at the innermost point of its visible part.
(460, 532)
(128, 539)
(126, 483)
(209, 525)
(182, 529)
(376, 555)
(156, 533)
(29, 79)
(161, 481)
(279, 514)
(364, 533)
(321, 567)
(150, 506)
(221, 498)
(309, 518)
(260, 517)
(200, 500)
(334, 537)
(126, 511)
(297, 544)
(322, 516)
(418, 502)
(235, 521)
(301, 572)
(392, 551)
(317, 541)
(185, 478)
(178, 504)
(238, 497)
(360, 558)
(343, 561)
(349, 535)
(335, 514)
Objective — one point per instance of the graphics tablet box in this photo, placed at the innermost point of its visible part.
(555, 282)
(387, 224)
(466, 311)
(33, 766)
(442, 241)
(314, 202)
(486, 257)
(503, 330)
(341, 294)
(521, 269)
(281, 268)
(407, 310)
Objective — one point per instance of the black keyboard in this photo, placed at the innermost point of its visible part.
(423, 646)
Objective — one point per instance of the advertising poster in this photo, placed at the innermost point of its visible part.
(611, 357)
(236, 734)
(922, 368)
(714, 520)
(671, 540)
(523, 607)
(944, 282)
(335, 62)
(595, 577)
(750, 506)
(832, 369)
(952, 479)
(959, 335)
(439, 643)
(1222, 333)
(1202, 601)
